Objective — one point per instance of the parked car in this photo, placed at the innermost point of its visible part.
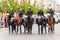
(58, 14)
(46, 15)
(56, 18)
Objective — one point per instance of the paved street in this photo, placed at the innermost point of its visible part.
(4, 35)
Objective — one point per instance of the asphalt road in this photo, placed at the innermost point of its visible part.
(4, 34)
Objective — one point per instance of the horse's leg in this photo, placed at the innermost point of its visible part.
(38, 29)
(17, 28)
(49, 29)
(12, 29)
(41, 29)
(30, 29)
(25, 29)
(20, 29)
(9, 28)
(53, 27)
(45, 28)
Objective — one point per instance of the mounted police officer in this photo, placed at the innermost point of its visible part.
(44, 23)
(11, 13)
(21, 13)
(51, 11)
(29, 12)
(40, 12)
(41, 21)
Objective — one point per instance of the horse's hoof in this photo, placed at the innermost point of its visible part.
(45, 32)
(41, 32)
(12, 33)
(29, 32)
(38, 32)
(20, 33)
(48, 32)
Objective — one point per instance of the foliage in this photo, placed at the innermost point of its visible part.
(8, 4)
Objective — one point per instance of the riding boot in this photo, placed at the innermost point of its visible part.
(17, 29)
(12, 29)
(48, 29)
(51, 29)
(28, 30)
(24, 29)
(45, 29)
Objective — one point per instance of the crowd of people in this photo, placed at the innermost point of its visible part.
(18, 20)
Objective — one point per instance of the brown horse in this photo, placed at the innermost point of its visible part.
(50, 23)
(18, 23)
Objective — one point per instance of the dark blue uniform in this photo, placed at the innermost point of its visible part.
(51, 12)
(40, 13)
(21, 14)
(11, 13)
(29, 13)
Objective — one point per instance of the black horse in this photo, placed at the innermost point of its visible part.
(41, 21)
(27, 23)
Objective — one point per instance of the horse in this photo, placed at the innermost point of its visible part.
(14, 22)
(41, 21)
(18, 23)
(50, 23)
(24, 22)
(8, 21)
(28, 22)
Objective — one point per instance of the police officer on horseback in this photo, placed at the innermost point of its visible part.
(11, 13)
(40, 12)
(29, 12)
(41, 21)
(29, 23)
(51, 11)
(21, 13)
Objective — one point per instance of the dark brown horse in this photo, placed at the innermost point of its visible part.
(18, 22)
(14, 23)
(29, 24)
